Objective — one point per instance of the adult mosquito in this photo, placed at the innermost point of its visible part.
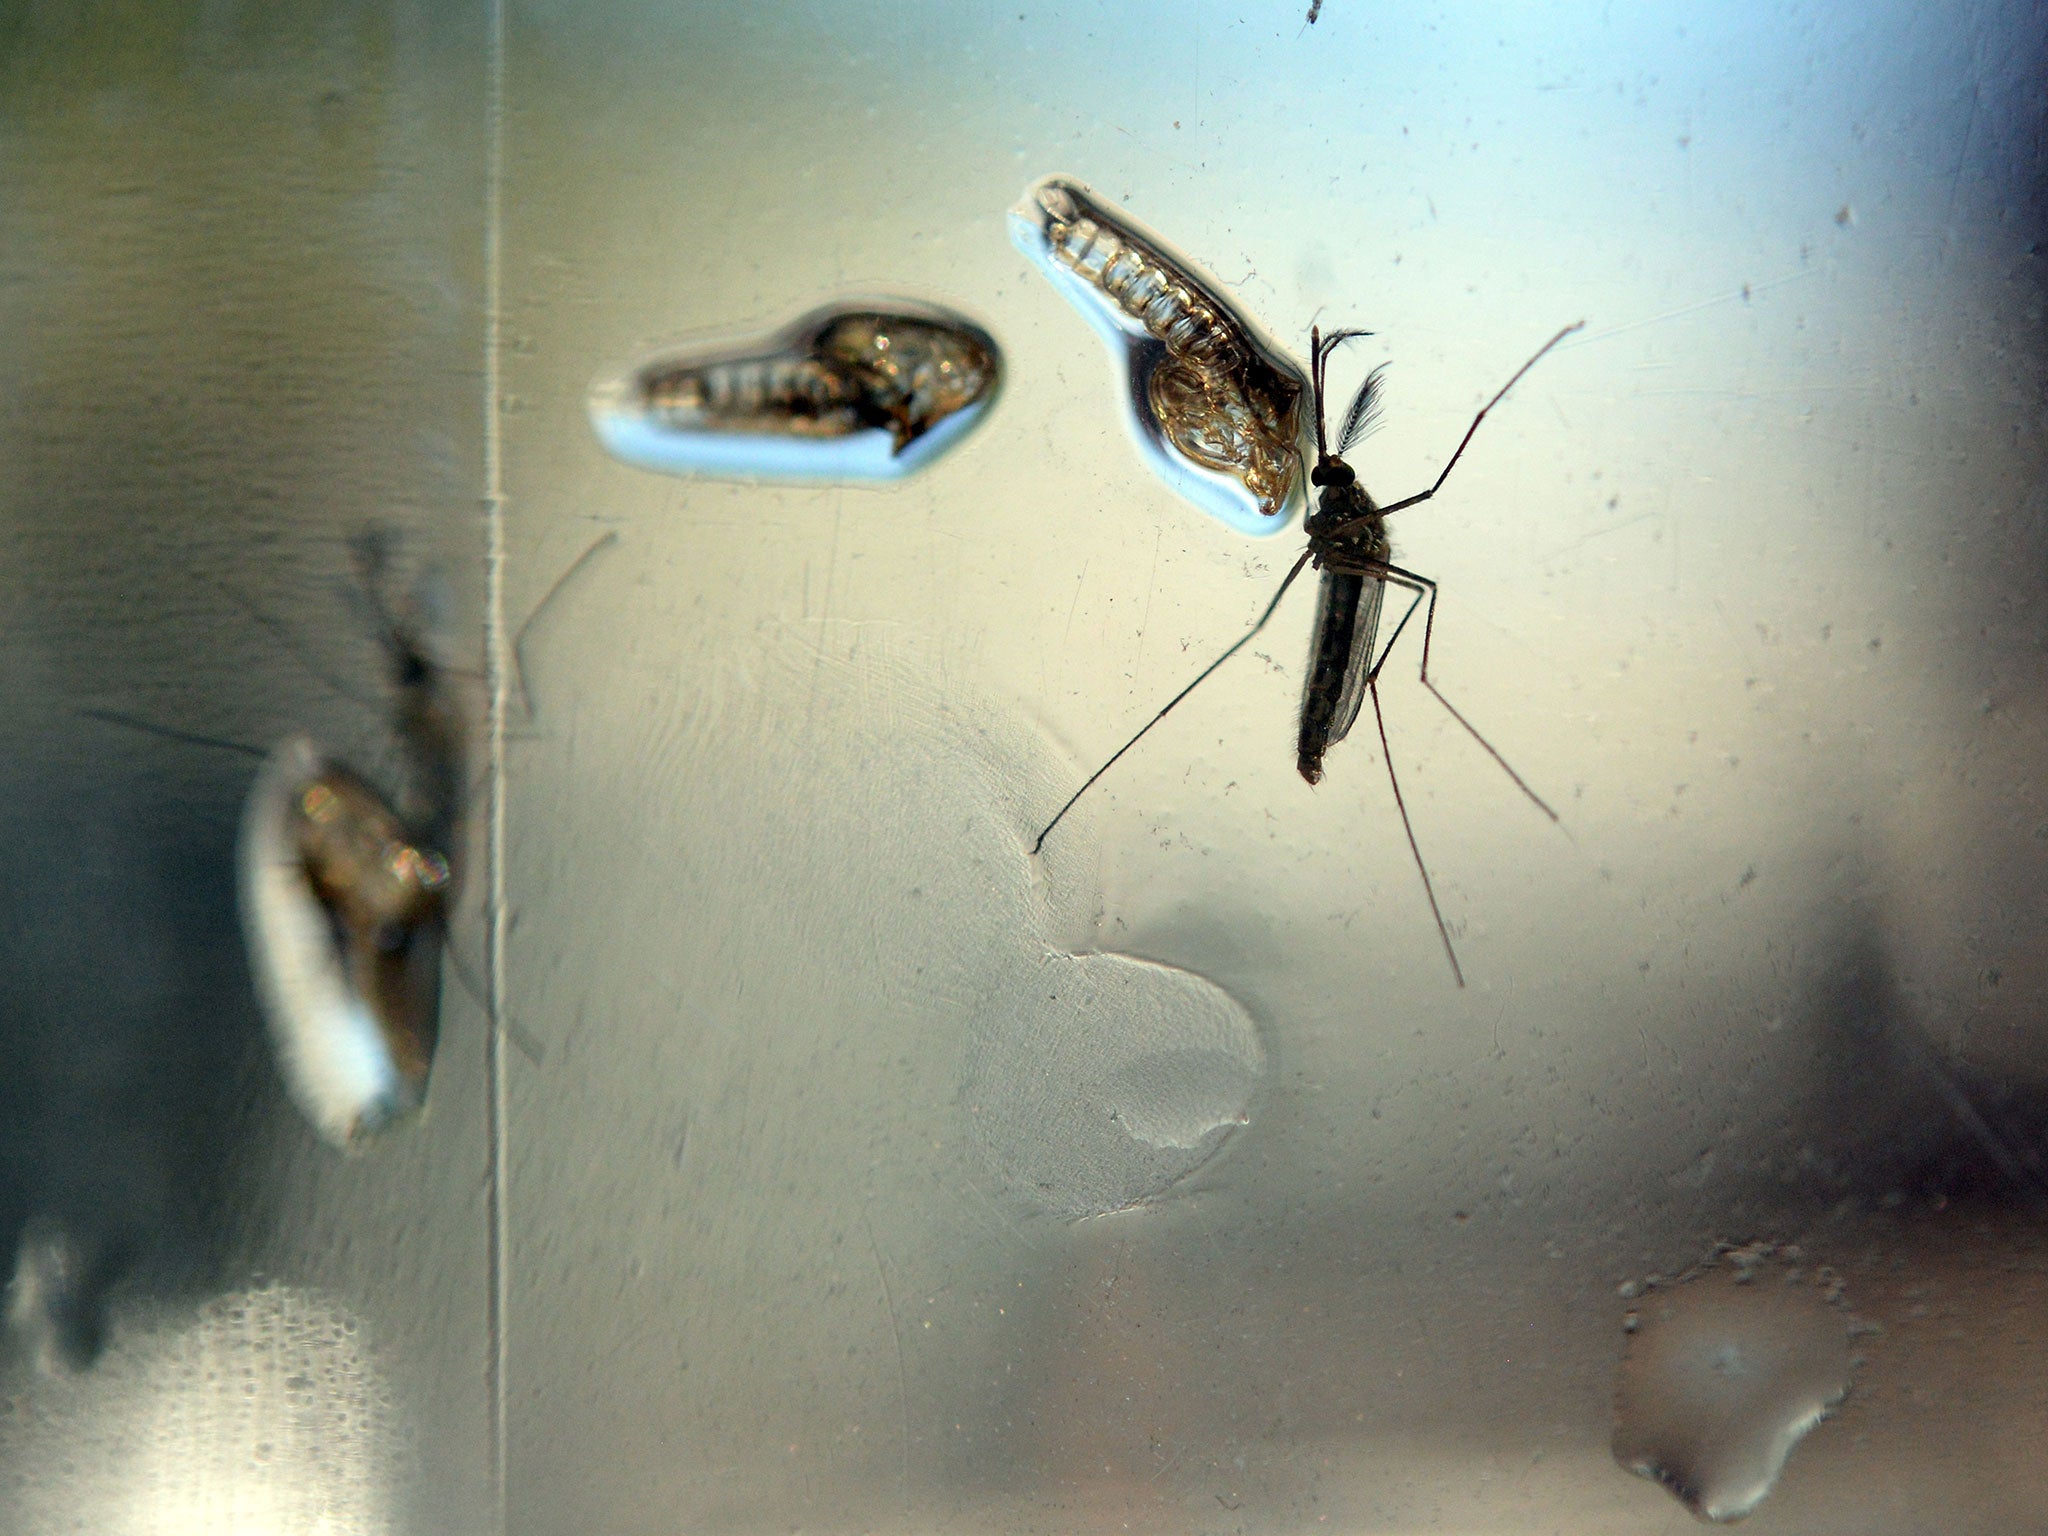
(1348, 543)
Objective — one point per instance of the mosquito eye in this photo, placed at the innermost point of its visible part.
(1332, 472)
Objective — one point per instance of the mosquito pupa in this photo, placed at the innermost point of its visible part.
(1214, 404)
(346, 894)
(344, 903)
(344, 911)
(862, 391)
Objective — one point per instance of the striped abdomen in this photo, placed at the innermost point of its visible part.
(1146, 286)
(1340, 660)
(1213, 393)
(764, 394)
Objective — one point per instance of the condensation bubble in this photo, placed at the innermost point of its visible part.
(264, 1413)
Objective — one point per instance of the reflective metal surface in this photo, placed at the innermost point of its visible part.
(240, 284)
(835, 1164)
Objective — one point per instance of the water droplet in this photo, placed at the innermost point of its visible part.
(1098, 1082)
(56, 1303)
(1724, 1372)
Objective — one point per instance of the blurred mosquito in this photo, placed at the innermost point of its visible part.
(1348, 543)
(346, 894)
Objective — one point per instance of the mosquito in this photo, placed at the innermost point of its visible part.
(1348, 543)
(346, 894)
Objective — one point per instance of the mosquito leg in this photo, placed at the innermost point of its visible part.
(1499, 396)
(1419, 585)
(1387, 755)
(602, 542)
(294, 644)
(1242, 641)
(1415, 594)
(172, 733)
(530, 1048)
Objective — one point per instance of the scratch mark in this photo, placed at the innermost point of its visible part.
(1600, 533)
(604, 542)
(1955, 182)
(902, 1376)
(1151, 581)
(825, 608)
(1734, 296)
(996, 1211)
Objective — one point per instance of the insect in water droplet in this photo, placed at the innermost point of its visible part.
(344, 902)
(868, 391)
(1348, 543)
(345, 913)
(1315, 9)
(346, 896)
(1214, 404)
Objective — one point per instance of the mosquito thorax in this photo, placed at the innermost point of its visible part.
(1345, 520)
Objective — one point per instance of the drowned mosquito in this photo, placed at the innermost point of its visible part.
(1348, 543)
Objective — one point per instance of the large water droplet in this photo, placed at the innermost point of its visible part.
(1097, 1082)
(1725, 1371)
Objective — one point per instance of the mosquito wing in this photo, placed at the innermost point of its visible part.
(1340, 660)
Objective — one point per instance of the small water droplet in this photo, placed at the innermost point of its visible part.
(1724, 1372)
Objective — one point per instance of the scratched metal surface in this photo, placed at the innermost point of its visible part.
(1740, 580)
(239, 280)
(860, 1174)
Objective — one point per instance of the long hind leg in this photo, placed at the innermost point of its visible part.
(1400, 804)
(1422, 586)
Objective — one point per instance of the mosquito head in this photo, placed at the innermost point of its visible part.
(1329, 470)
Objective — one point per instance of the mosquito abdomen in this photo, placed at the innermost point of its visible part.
(1330, 695)
(758, 393)
(1144, 284)
(1209, 391)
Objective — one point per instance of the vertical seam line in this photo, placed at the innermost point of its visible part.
(496, 1235)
